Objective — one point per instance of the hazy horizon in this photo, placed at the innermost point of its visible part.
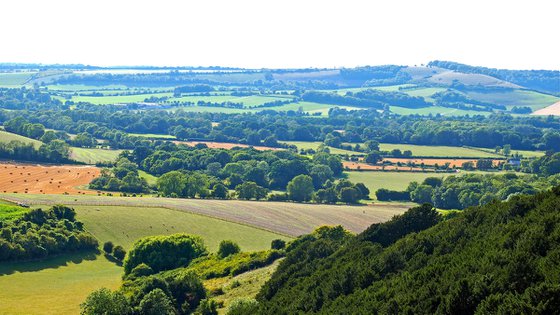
(287, 34)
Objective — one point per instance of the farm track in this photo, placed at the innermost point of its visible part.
(291, 219)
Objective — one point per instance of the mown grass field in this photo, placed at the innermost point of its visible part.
(524, 153)
(439, 151)
(291, 219)
(8, 136)
(390, 180)
(92, 156)
(54, 286)
(151, 179)
(124, 225)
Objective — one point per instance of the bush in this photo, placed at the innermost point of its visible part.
(165, 252)
(278, 244)
(108, 247)
(228, 248)
(242, 306)
(119, 253)
(103, 301)
(207, 307)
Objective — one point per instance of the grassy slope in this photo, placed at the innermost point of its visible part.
(92, 156)
(389, 180)
(124, 225)
(535, 100)
(54, 286)
(9, 211)
(249, 285)
(151, 179)
(59, 285)
(8, 136)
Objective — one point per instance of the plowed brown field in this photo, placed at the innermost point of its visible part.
(46, 179)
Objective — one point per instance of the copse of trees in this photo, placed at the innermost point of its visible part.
(41, 233)
(173, 251)
(122, 177)
(55, 151)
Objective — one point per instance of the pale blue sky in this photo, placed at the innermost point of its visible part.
(506, 34)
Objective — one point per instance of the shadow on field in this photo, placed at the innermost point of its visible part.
(7, 268)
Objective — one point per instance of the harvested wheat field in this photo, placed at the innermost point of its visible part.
(553, 109)
(225, 145)
(45, 179)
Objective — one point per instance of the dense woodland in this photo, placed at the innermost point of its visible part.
(499, 258)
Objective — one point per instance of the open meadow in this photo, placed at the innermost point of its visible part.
(8, 136)
(92, 155)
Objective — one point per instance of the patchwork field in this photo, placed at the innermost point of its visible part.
(314, 145)
(359, 166)
(92, 156)
(45, 179)
(14, 79)
(439, 162)
(291, 219)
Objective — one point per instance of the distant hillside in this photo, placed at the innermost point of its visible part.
(502, 258)
(540, 80)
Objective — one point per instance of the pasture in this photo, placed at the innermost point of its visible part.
(390, 180)
(435, 110)
(532, 99)
(291, 219)
(104, 100)
(123, 225)
(46, 179)
(92, 156)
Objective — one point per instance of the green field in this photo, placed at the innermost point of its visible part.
(307, 107)
(123, 225)
(389, 180)
(532, 99)
(9, 211)
(14, 79)
(524, 153)
(92, 156)
(439, 151)
(8, 136)
(151, 179)
(434, 110)
(54, 286)
(247, 101)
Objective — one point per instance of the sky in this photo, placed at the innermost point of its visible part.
(282, 34)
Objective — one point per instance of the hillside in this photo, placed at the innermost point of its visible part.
(500, 258)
